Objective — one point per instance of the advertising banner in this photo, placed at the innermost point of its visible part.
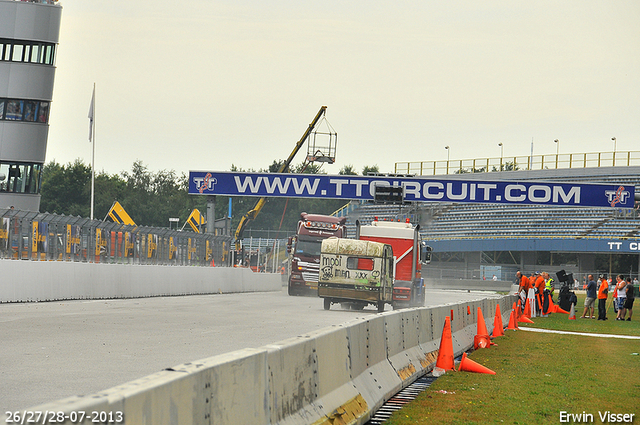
(415, 189)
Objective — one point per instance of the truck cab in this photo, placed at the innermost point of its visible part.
(408, 251)
(304, 250)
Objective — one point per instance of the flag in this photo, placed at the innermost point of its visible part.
(195, 220)
(93, 100)
(119, 215)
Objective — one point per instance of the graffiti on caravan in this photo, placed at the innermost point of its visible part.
(415, 189)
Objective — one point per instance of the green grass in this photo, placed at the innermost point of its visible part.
(538, 375)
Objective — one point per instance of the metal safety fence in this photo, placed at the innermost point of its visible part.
(29, 235)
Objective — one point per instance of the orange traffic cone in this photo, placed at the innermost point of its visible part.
(468, 365)
(497, 323)
(513, 325)
(559, 310)
(468, 310)
(524, 319)
(481, 340)
(527, 309)
(482, 327)
(445, 353)
(572, 314)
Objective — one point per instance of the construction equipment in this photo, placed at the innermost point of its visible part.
(253, 213)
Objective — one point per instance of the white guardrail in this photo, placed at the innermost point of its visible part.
(59, 280)
(337, 375)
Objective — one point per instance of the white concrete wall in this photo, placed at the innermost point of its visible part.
(470, 284)
(340, 374)
(56, 280)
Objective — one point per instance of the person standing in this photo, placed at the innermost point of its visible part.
(621, 288)
(628, 304)
(539, 290)
(603, 293)
(590, 300)
(523, 286)
(547, 296)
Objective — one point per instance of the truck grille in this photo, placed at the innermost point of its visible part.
(310, 277)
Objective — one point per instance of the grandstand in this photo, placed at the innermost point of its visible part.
(471, 230)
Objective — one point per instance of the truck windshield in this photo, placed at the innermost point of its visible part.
(308, 248)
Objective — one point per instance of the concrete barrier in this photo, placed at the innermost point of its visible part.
(24, 281)
(337, 375)
(468, 284)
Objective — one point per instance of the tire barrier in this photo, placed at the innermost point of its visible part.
(338, 375)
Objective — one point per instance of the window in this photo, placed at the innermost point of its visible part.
(17, 52)
(30, 108)
(27, 51)
(20, 178)
(14, 110)
(355, 263)
(35, 53)
(49, 55)
(24, 110)
(43, 112)
(309, 248)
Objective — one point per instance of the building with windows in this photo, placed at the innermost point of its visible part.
(29, 33)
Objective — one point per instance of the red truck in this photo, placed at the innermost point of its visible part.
(304, 250)
(409, 253)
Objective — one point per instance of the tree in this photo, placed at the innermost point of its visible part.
(348, 170)
(470, 170)
(507, 166)
(66, 189)
(370, 169)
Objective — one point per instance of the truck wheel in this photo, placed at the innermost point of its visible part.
(327, 303)
(380, 306)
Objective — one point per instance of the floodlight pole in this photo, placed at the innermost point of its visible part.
(447, 148)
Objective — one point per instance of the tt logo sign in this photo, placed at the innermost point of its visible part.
(205, 183)
(619, 196)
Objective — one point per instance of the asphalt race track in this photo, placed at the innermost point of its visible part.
(59, 349)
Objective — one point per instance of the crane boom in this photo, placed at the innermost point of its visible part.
(253, 213)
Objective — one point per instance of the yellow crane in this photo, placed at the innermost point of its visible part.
(253, 213)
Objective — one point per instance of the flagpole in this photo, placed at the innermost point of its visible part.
(93, 148)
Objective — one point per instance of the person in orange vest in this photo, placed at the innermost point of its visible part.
(603, 293)
(523, 285)
(539, 287)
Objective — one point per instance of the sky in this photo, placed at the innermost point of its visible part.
(204, 85)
